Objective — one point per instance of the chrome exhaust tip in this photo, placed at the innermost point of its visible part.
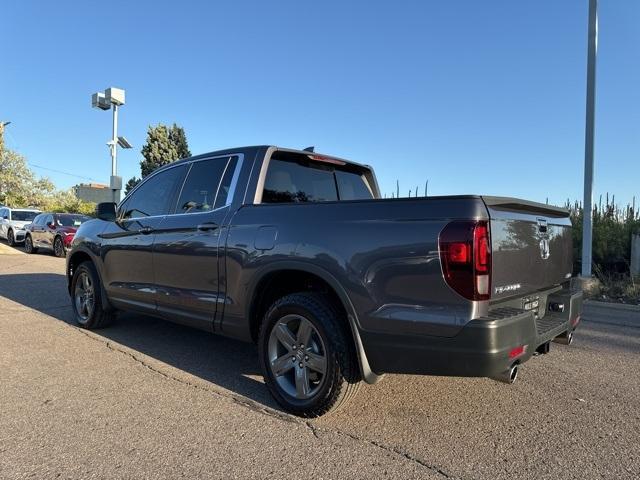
(508, 376)
(564, 339)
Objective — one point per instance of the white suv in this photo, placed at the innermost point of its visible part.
(13, 221)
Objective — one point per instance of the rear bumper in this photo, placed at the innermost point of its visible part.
(483, 348)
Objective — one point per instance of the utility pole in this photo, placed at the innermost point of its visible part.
(587, 212)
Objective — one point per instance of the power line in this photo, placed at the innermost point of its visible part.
(62, 172)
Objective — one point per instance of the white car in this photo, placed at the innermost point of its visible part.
(13, 221)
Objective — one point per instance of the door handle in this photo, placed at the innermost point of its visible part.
(206, 227)
(145, 230)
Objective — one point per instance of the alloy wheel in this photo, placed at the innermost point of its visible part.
(58, 248)
(84, 296)
(297, 357)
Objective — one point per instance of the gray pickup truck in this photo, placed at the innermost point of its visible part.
(296, 251)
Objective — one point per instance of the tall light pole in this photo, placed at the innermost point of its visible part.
(587, 212)
(112, 97)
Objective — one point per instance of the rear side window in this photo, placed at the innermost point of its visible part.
(207, 185)
(304, 181)
(156, 196)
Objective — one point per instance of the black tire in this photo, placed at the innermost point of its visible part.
(58, 248)
(11, 239)
(28, 245)
(341, 379)
(97, 316)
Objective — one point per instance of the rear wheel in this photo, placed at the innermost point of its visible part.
(28, 245)
(11, 239)
(306, 355)
(87, 298)
(58, 248)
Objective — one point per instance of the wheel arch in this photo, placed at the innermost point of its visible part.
(78, 256)
(284, 277)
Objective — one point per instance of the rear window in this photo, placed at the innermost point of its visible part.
(299, 180)
(22, 216)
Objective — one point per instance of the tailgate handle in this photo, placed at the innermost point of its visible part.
(542, 225)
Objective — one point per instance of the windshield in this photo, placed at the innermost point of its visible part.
(72, 220)
(23, 216)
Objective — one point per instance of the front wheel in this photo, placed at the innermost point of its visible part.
(28, 245)
(58, 248)
(86, 298)
(11, 239)
(306, 355)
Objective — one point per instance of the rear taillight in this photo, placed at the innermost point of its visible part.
(465, 254)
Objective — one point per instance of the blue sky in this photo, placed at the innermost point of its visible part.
(477, 97)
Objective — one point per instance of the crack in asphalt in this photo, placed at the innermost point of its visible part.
(393, 450)
(256, 407)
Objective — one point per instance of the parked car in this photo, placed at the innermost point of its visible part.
(297, 251)
(13, 222)
(52, 231)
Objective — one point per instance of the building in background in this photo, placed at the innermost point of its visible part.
(93, 192)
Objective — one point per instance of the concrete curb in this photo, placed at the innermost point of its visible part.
(7, 250)
(613, 306)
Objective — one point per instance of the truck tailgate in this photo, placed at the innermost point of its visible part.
(531, 246)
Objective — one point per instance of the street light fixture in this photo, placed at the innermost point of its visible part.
(112, 97)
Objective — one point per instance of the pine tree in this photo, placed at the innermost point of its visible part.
(131, 184)
(158, 151)
(179, 139)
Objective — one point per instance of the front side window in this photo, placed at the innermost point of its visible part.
(207, 185)
(155, 196)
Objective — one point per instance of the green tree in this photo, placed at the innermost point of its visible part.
(67, 201)
(131, 184)
(179, 139)
(19, 186)
(164, 145)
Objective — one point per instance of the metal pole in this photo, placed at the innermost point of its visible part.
(114, 150)
(587, 226)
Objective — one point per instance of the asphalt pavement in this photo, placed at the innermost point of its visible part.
(149, 399)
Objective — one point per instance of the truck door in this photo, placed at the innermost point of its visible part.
(127, 243)
(185, 251)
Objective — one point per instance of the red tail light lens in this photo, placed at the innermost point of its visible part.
(465, 255)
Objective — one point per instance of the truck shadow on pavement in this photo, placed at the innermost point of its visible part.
(227, 363)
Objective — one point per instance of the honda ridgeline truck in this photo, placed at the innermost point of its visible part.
(297, 252)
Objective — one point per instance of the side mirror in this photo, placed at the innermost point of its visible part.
(106, 211)
(51, 225)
